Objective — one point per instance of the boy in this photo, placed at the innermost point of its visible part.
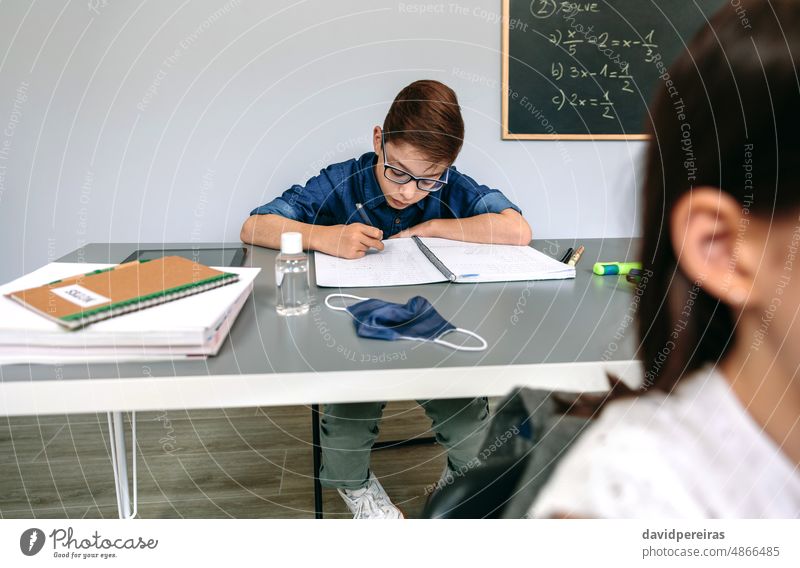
(407, 186)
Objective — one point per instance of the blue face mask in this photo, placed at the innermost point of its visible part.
(416, 319)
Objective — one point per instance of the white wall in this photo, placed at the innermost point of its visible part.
(151, 121)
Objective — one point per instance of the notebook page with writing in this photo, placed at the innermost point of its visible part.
(472, 262)
(401, 263)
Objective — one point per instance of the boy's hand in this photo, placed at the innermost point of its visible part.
(350, 241)
(425, 229)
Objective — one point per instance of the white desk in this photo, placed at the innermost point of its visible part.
(563, 335)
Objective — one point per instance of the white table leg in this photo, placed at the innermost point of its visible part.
(119, 463)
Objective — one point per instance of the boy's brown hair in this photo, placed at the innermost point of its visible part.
(426, 115)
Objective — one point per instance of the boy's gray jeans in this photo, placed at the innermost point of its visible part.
(348, 431)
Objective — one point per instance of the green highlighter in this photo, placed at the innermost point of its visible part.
(613, 268)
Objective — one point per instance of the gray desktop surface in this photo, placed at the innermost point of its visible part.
(582, 320)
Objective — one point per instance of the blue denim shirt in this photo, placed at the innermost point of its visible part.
(330, 199)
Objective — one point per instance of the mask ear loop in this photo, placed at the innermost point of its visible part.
(341, 308)
(462, 347)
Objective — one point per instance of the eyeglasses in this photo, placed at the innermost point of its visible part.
(401, 177)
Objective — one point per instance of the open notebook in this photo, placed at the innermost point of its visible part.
(426, 260)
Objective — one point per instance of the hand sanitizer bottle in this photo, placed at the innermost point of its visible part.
(293, 296)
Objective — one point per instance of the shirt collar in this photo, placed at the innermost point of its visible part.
(373, 195)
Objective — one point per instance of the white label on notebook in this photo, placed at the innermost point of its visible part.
(80, 296)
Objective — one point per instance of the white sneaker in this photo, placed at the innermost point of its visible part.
(370, 502)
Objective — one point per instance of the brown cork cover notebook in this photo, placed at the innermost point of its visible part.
(80, 300)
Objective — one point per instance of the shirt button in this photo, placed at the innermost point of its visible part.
(397, 221)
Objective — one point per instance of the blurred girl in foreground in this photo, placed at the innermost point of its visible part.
(714, 430)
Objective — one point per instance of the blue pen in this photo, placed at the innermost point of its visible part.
(363, 215)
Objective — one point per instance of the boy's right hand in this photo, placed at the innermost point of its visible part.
(350, 241)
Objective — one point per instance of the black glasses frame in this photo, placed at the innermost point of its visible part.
(387, 167)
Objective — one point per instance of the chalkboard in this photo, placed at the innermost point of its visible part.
(586, 70)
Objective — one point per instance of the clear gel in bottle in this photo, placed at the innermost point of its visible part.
(293, 296)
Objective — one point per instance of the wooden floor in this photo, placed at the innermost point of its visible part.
(240, 463)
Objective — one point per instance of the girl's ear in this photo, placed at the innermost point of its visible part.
(376, 139)
(714, 245)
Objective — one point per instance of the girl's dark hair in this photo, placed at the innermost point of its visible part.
(727, 116)
(731, 120)
(426, 115)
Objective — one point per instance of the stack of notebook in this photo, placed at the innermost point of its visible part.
(170, 308)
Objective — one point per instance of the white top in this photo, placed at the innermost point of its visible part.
(695, 453)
